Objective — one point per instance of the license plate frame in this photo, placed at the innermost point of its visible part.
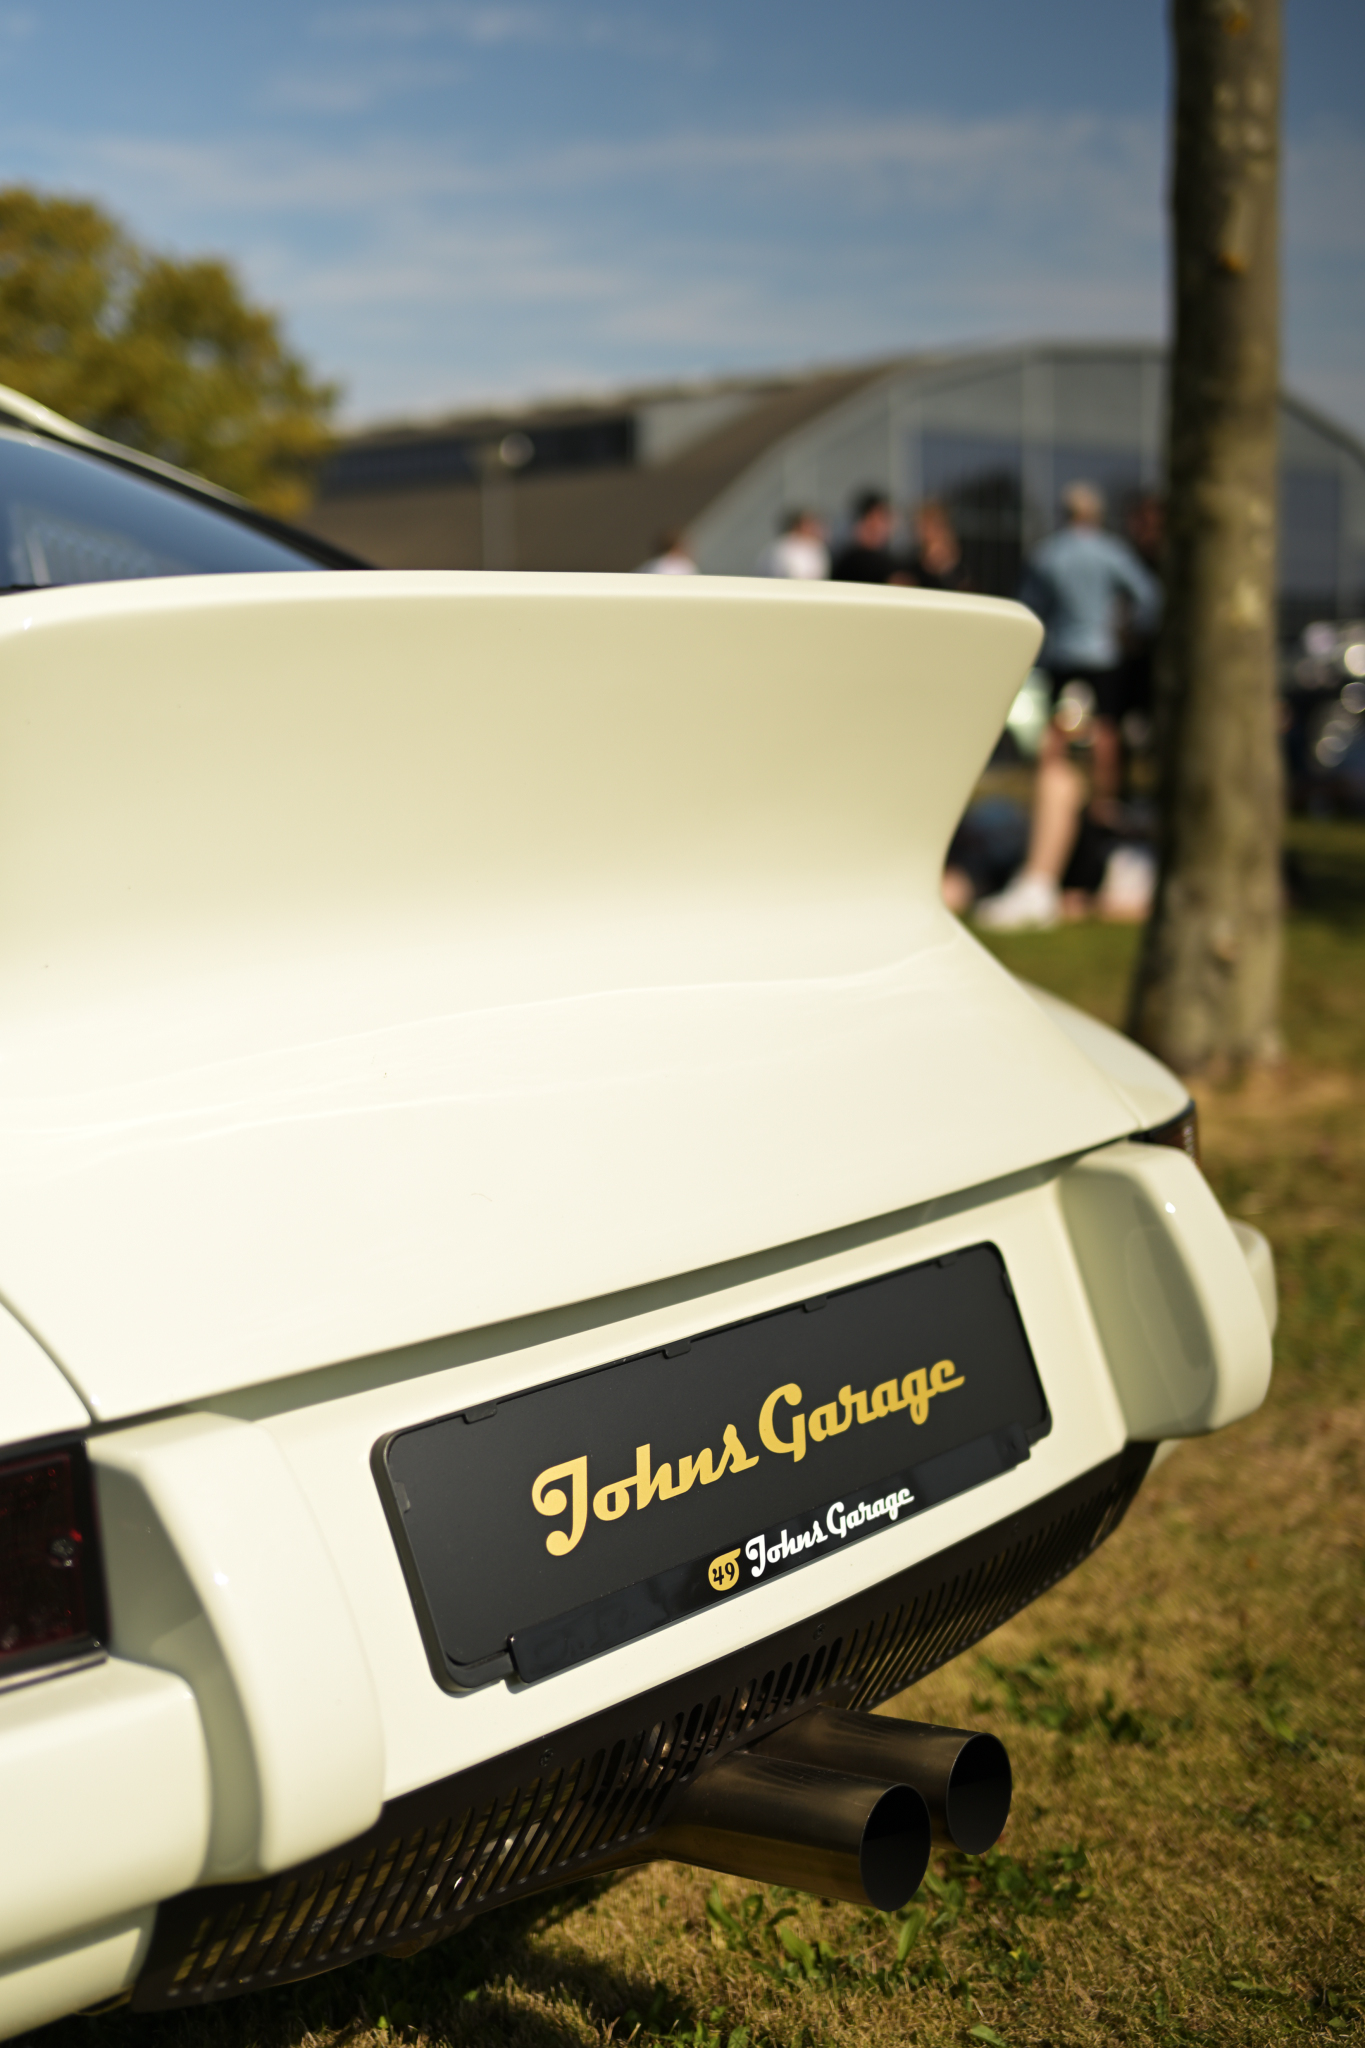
(584, 1513)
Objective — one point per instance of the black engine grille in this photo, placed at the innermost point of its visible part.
(591, 1796)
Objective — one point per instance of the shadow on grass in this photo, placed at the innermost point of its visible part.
(460, 1989)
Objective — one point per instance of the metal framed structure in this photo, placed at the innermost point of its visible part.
(997, 435)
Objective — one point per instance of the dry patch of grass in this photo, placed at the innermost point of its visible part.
(1185, 1862)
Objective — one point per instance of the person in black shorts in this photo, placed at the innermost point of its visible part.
(1082, 582)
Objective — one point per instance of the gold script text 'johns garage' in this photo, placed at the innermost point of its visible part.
(649, 1482)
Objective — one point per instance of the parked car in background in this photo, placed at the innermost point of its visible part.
(1323, 685)
(542, 1274)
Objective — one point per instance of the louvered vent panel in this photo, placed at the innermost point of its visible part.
(438, 1856)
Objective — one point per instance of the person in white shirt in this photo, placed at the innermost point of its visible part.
(672, 559)
(799, 551)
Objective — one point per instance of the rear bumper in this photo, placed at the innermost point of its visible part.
(593, 1795)
(105, 1792)
(343, 1803)
(104, 1785)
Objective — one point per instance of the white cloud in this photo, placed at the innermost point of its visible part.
(442, 272)
(483, 26)
(416, 262)
(496, 24)
(332, 92)
(1106, 173)
(316, 93)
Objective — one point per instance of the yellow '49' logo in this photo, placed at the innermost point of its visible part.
(723, 1572)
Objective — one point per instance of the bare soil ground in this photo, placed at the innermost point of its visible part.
(1186, 1858)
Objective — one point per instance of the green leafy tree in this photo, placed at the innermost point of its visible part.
(167, 357)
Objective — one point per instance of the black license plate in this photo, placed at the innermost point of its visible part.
(549, 1527)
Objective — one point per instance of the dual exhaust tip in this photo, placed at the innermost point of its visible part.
(844, 1805)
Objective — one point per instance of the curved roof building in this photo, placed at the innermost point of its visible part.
(997, 436)
(994, 434)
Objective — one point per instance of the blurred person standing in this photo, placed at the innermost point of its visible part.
(936, 560)
(799, 552)
(1081, 581)
(671, 558)
(866, 556)
(1145, 524)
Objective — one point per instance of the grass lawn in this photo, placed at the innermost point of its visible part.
(1186, 1858)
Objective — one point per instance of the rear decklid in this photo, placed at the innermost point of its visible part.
(384, 955)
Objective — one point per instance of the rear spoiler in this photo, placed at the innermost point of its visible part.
(385, 954)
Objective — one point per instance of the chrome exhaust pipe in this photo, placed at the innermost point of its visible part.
(783, 1820)
(963, 1777)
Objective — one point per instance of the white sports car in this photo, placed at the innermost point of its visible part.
(543, 1274)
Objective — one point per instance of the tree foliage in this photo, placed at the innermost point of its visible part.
(165, 356)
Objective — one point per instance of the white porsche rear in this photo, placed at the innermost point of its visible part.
(420, 992)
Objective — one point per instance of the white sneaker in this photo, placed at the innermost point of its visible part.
(1129, 885)
(1032, 903)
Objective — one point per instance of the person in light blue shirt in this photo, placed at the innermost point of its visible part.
(1078, 582)
(1087, 587)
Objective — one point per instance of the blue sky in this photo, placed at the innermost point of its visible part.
(458, 200)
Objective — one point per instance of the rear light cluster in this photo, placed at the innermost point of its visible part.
(51, 1586)
(1181, 1133)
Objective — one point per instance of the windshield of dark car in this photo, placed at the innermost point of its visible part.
(72, 518)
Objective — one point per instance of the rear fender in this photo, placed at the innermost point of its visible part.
(1182, 1321)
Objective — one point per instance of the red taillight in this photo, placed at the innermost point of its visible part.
(1181, 1133)
(51, 1585)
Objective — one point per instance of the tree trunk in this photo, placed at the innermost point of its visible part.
(1207, 988)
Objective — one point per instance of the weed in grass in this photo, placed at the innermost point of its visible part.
(660, 2022)
(1169, 2031)
(1265, 1687)
(1002, 1892)
(1321, 2006)
(1035, 1695)
(762, 1932)
(1126, 1724)
(983, 1899)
